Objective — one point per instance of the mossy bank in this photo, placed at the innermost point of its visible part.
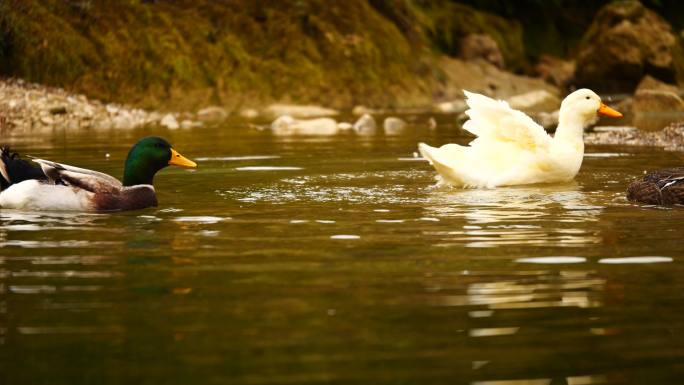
(185, 54)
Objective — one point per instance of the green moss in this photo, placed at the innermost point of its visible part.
(448, 22)
(188, 53)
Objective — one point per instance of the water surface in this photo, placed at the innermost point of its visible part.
(336, 260)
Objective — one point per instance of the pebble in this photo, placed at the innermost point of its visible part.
(249, 113)
(365, 125)
(287, 125)
(300, 111)
(344, 126)
(169, 121)
(212, 114)
(394, 126)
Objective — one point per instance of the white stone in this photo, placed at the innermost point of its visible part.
(365, 125)
(187, 123)
(169, 121)
(112, 109)
(249, 113)
(212, 114)
(123, 121)
(394, 126)
(287, 125)
(535, 101)
(452, 107)
(344, 126)
(299, 111)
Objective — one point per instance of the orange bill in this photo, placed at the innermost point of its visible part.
(607, 111)
(181, 161)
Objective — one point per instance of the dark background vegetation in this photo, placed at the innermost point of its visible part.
(187, 53)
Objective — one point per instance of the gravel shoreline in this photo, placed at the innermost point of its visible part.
(670, 138)
(29, 106)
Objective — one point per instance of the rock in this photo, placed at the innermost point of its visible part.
(47, 120)
(344, 126)
(451, 21)
(249, 113)
(655, 109)
(298, 111)
(650, 83)
(88, 111)
(112, 109)
(624, 42)
(485, 78)
(481, 46)
(656, 104)
(212, 114)
(535, 101)
(169, 121)
(287, 125)
(365, 125)
(394, 126)
(453, 107)
(123, 121)
(432, 123)
(555, 70)
(283, 125)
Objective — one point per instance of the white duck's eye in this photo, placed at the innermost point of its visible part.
(588, 97)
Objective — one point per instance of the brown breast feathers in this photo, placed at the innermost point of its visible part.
(128, 198)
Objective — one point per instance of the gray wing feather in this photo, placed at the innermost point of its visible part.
(79, 177)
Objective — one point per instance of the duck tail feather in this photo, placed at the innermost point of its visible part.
(5, 159)
(13, 169)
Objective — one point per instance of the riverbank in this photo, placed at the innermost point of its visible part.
(120, 64)
(239, 54)
(670, 138)
(28, 106)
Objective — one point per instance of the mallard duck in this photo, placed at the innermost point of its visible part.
(46, 185)
(662, 187)
(511, 149)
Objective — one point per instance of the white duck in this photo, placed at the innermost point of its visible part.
(511, 149)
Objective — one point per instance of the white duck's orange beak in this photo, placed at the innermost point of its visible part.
(607, 111)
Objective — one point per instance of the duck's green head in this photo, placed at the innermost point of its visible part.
(148, 156)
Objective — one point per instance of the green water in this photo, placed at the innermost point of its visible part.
(340, 263)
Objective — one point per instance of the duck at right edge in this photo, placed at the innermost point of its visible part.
(661, 187)
(512, 149)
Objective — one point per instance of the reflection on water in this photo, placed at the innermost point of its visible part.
(524, 290)
(337, 260)
(515, 215)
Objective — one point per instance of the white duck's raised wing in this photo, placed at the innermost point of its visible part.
(93, 181)
(495, 121)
